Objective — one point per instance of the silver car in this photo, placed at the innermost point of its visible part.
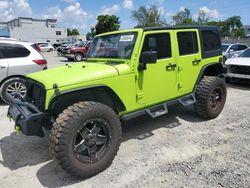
(232, 50)
(16, 60)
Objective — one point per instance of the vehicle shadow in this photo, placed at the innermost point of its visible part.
(21, 151)
(2, 103)
(51, 175)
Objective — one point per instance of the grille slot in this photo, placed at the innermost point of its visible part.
(36, 94)
(239, 69)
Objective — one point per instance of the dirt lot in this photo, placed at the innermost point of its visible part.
(176, 150)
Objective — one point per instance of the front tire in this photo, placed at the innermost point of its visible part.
(13, 86)
(211, 97)
(85, 138)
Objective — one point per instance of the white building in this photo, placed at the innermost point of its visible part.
(35, 30)
(247, 30)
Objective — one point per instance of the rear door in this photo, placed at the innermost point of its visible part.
(188, 58)
(3, 65)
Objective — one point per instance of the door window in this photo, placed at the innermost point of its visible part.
(211, 40)
(188, 43)
(160, 43)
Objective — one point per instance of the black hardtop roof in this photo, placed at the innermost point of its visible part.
(181, 27)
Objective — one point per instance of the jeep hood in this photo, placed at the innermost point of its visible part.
(243, 61)
(76, 73)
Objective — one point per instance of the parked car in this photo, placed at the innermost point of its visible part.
(232, 50)
(64, 45)
(35, 46)
(16, 60)
(77, 53)
(46, 47)
(238, 68)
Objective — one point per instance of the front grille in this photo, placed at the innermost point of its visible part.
(36, 94)
(239, 69)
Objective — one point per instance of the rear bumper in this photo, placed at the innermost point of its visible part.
(27, 117)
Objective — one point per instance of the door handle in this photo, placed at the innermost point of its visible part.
(2, 67)
(196, 61)
(171, 67)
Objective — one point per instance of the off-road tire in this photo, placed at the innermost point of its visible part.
(78, 56)
(66, 126)
(6, 84)
(204, 97)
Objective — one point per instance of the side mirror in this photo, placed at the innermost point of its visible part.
(148, 57)
(231, 50)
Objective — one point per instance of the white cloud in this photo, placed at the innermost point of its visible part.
(128, 4)
(212, 13)
(110, 10)
(170, 14)
(14, 8)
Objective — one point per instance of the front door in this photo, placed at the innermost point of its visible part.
(188, 58)
(158, 82)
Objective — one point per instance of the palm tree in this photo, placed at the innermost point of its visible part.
(148, 17)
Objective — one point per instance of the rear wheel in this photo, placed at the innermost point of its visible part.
(85, 138)
(14, 87)
(211, 97)
(78, 57)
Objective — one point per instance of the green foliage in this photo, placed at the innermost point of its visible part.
(148, 17)
(90, 35)
(73, 32)
(106, 23)
(183, 17)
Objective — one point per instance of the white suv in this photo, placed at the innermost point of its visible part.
(16, 60)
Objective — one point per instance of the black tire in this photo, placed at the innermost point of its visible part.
(78, 56)
(70, 59)
(72, 124)
(8, 84)
(211, 95)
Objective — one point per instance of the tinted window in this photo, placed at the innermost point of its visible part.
(187, 42)
(242, 47)
(234, 47)
(160, 43)
(224, 47)
(211, 40)
(13, 50)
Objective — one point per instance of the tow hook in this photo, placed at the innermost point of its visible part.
(18, 129)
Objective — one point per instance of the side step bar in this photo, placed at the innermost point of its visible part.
(160, 109)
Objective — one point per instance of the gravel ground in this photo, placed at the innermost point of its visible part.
(176, 150)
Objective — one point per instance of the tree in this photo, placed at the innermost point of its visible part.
(73, 32)
(148, 17)
(203, 19)
(183, 17)
(106, 23)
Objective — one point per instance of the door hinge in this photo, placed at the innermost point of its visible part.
(180, 85)
(139, 96)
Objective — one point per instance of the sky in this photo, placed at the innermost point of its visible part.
(82, 14)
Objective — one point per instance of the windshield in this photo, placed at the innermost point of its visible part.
(224, 47)
(117, 46)
(246, 53)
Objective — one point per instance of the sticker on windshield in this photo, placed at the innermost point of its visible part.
(127, 38)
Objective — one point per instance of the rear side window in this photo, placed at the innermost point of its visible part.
(188, 43)
(211, 40)
(13, 50)
(160, 43)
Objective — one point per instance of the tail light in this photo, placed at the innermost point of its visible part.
(40, 61)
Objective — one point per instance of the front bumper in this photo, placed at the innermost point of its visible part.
(27, 117)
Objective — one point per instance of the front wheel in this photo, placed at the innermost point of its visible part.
(15, 87)
(85, 138)
(211, 96)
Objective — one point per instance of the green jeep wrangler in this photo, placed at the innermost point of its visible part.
(127, 74)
